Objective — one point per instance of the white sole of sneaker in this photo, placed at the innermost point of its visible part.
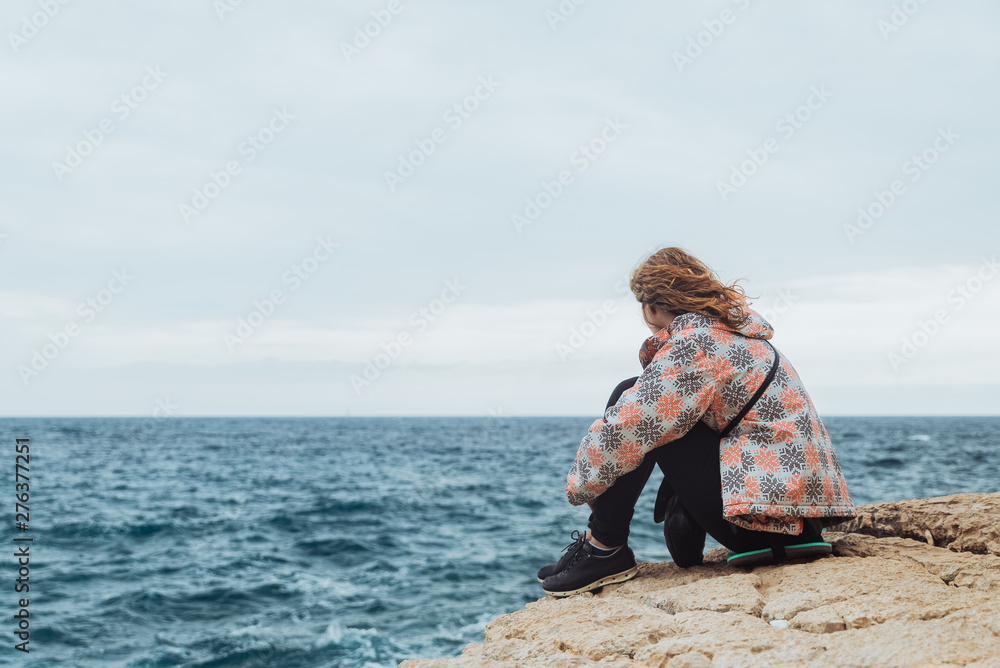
(606, 580)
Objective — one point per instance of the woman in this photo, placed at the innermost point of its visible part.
(744, 454)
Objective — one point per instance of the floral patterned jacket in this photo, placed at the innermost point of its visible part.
(778, 465)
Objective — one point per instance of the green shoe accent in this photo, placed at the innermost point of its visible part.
(765, 557)
(738, 555)
(795, 547)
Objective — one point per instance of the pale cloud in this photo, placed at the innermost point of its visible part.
(851, 305)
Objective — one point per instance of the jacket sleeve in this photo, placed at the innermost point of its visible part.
(669, 398)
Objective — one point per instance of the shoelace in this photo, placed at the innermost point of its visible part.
(575, 549)
(580, 553)
(577, 539)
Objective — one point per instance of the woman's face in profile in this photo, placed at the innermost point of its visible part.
(656, 318)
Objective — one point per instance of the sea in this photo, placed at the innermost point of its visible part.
(341, 542)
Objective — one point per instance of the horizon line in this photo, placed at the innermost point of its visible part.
(434, 416)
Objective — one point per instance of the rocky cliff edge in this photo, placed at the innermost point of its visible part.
(909, 583)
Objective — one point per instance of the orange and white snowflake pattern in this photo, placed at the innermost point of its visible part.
(778, 465)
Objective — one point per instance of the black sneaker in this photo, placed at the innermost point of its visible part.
(578, 540)
(685, 537)
(586, 571)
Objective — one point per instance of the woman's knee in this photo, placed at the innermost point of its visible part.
(620, 390)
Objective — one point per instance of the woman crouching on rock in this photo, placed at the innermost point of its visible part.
(744, 454)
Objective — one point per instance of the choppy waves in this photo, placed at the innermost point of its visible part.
(348, 542)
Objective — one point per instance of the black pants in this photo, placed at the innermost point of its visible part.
(691, 468)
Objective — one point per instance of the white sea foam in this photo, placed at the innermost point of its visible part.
(324, 588)
(338, 634)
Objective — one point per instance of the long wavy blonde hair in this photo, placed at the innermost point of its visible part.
(678, 282)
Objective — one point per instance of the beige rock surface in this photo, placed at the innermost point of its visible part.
(956, 521)
(886, 597)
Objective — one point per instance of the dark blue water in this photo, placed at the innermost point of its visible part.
(343, 541)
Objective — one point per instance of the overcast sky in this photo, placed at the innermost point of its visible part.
(423, 219)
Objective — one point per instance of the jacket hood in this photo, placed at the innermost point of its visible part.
(756, 327)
